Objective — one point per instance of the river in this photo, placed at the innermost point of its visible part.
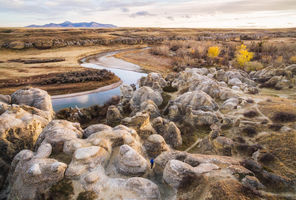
(129, 73)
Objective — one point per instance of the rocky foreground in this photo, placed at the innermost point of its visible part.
(210, 133)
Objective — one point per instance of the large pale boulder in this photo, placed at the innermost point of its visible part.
(31, 176)
(95, 128)
(130, 162)
(57, 132)
(197, 100)
(126, 92)
(143, 94)
(155, 145)
(33, 97)
(178, 174)
(20, 125)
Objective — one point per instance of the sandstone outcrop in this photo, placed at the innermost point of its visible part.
(204, 131)
(143, 94)
(23, 115)
(103, 163)
(275, 77)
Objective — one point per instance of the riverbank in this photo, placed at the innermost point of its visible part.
(27, 67)
(148, 62)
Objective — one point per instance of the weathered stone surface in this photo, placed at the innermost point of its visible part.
(197, 100)
(20, 125)
(230, 104)
(151, 108)
(86, 152)
(144, 188)
(155, 145)
(205, 167)
(141, 123)
(178, 174)
(113, 116)
(130, 162)
(31, 177)
(143, 94)
(33, 97)
(5, 99)
(57, 132)
(126, 92)
(95, 128)
(173, 135)
(153, 80)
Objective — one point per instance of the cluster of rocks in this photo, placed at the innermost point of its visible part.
(237, 158)
(35, 60)
(56, 43)
(277, 78)
(23, 115)
(61, 78)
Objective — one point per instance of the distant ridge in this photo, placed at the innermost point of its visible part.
(68, 24)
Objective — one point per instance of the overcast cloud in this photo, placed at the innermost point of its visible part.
(153, 13)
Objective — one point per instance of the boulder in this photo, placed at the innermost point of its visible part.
(126, 92)
(291, 68)
(197, 100)
(145, 189)
(151, 108)
(141, 123)
(173, 135)
(95, 128)
(113, 116)
(30, 177)
(178, 174)
(155, 145)
(33, 97)
(57, 132)
(143, 94)
(153, 80)
(5, 99)
(130, 162)
(235, 82)
(230, 104)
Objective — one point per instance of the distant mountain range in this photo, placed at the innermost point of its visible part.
(68, 24)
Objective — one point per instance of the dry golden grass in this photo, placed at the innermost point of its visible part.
(283, 146)
(72, 55)
(148, 62)
(275, 105)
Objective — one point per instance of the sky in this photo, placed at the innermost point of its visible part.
(152, 13)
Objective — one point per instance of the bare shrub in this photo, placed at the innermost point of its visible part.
(162, 50)
(253, 66)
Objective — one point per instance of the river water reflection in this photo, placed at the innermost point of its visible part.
(129, 74)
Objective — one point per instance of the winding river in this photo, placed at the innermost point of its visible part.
(128, 73)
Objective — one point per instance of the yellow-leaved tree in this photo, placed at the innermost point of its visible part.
(213, 52)
(243, 55)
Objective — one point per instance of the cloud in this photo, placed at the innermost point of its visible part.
(141, 14)
(170, 18)
(185, 13)
(125, 10)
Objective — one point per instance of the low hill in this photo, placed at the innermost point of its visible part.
(68, 24)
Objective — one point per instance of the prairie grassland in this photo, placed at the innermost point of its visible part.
(29, 73)
(171, 49)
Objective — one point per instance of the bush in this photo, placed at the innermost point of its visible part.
(293, 59)
(243, 55)
(160, 50)
(213, 52)
(253, 66)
